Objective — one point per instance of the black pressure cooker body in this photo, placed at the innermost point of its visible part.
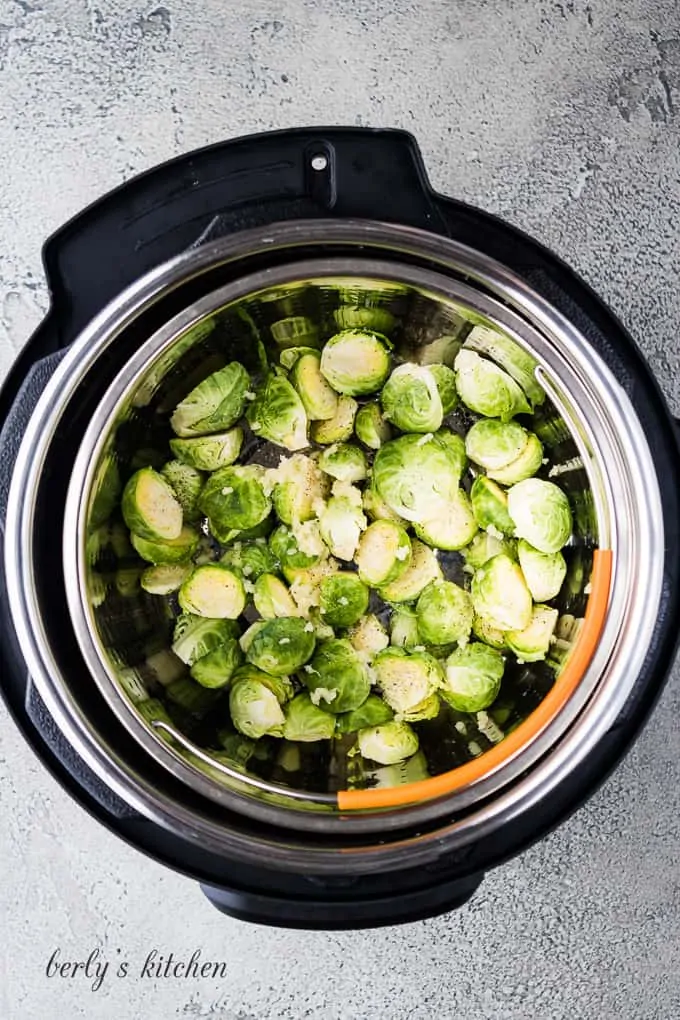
(301, 175)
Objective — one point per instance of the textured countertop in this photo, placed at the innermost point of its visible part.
(565, 119)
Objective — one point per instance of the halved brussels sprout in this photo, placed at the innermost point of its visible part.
(500, 594)
(444, 612)
(272, 598)
(343, 599)
(216, 669)
(490, 506)
(533, 643)
(453, 527)
(487, 389)
(250, 559)
(376, 508)
(541, 514)
(336, 677)
(455, 448)
(234, 499)
(368, 636)
(473, 677)
(176, 550)
(340, 427)
(255, 710)
(214, 591)
(410, 399)
(187, 484)
(214, 405)
(341, 524)
(423, 568)
(281, 646)
(150, 508)
(544, 573)
(483, 547)
(494, 444)
(196, 636)
(258, 533)
(373, 712)
(429, 708)
(209, 453)
(306, 722)
(305, 584)
(526, 465)
(345, 462)
(320, 401)
(164, 578)
(281, 686)
(488, 633)
(370, 426)
(278, 414)
(356, 362)
(285, 546)
(298, 484)
(404, 628)
(289, 355)
(510, 356)
(416, 476)
(389, 743)
(383, 553)
(406, 678)
(445, 379)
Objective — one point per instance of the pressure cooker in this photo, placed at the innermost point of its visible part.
(204, 260)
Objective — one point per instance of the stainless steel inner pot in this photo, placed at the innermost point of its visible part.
(433, 288)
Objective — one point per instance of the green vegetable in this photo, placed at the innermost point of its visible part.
(487, 389)
(255, 710)
(488, 633)
(281, 646)
(422, 569)
(370, 426)
(444, 612)
(541, 514)
(214, 405)
(216, 669)
(483, 547)
(187, 484)
(306, 722)
(526, 465)
(340, 427)
(272, 598)
(473, 677)
(164, 579)
(320, 401)
(406, 679)
(150, 508)
(356, 362)
(544, 573)
(445, 378)
(341, 524)
(368, 636)
(453, 527)
(510, 356)
(533, 642)
(280, 686)
(490, 506)
(176, 550)
(250, 559)
(345, 462)
(383, 553)
(416, 476)
(388, 744)
(343, 599)
(376, 508)
(299, 485)
(289, 355)
(209, 453)
(278, 414)
(500, 594)
(410, 399)
(404, 628)
(373, 712)
(285, 547)
(196, 636)
(234, 499)
(493, 444)
(215, 591)
(336, 678)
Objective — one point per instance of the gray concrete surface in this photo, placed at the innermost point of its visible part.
(563, 117)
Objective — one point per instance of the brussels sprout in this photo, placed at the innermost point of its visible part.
(306, 722)
(526, 465)
(305, 585)
(320, 401)
(473, 677)
(455, 447)
(445, 379)
(487, 389)
(383, 553)
(214, 591)
(278, 414)
(368, 636)
(404, 628)
(341, 524)
(187, 484)
(488, 633)
(289, 355)
(510, 356)
(343, 599)
(376, 508)
(258, 533)
(370, 426)
(214, 405)
(373, 712)
(345, 462)
(177, 550)
(216, 669)
(423, 568)
(281, 646)
(416, 476)
(340, 427)
(500, 595)
(234, 499)
(483, 547)
(544, 573)
(196, 636)
(150, 508)
(389, 743)
(281, 686)
(255, 710)
(298, 485)
(250, 559)
(493, 444)
(541, 514)
(454, 526)
(429, 708)
(444, 612)
(209, 453)
(411, 401)
(296, 331)
(356, 362)
(406, 678)
(355, 317)
(533, 642)
(336, 678)
(490, 506)
(285, 546)
(165, 578)
(272, 599)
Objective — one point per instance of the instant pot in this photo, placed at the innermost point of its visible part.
(241, 248)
